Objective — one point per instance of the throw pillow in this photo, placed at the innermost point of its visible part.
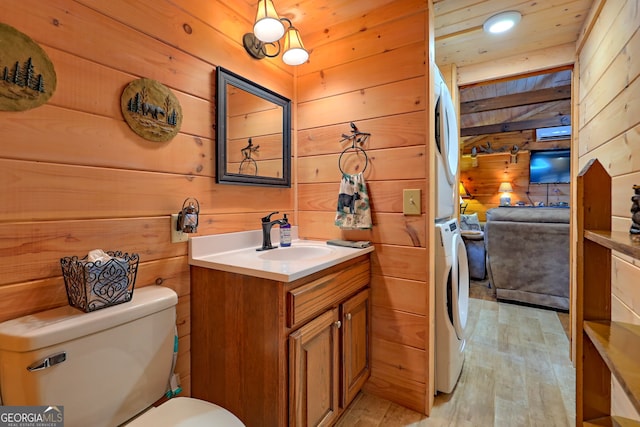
(470, 222)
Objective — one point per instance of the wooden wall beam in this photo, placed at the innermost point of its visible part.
(517, 100)
(563, 120)
(526, 62)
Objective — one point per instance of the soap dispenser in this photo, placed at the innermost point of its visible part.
(285, 232)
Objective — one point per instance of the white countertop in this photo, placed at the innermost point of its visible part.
(236, 253)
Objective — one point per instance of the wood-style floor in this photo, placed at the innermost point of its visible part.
(517, 373)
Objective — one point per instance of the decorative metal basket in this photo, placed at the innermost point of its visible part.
(94, 285)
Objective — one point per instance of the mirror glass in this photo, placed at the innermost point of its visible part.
(253, 133)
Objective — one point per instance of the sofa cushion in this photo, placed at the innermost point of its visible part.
(470, 222)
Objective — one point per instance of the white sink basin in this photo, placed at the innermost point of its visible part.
(236, 253)
(295, 253)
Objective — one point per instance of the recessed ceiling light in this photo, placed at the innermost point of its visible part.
(502, 22)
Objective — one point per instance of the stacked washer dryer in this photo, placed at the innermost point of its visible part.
(451, 265)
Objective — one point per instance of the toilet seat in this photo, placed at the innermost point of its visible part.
(186, 412)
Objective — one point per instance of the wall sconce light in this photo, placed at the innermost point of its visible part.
(505, 189)
(267, 32)
(502, 22)
(188, 216)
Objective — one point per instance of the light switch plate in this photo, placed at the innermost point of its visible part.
(177, 236)
(411, 202)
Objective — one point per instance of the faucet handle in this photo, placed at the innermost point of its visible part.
(268, 217)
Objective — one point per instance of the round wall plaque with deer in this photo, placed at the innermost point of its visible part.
(27, 76)
(151, 110)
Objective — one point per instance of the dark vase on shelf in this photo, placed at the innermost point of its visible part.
(635, 214)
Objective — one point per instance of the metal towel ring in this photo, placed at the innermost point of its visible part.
(248, 161)
(246, 154)
(353, 147)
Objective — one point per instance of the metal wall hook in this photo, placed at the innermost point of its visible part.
(356, 136)
(249, 149)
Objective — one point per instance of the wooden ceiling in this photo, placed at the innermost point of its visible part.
(458, 24)
(460, 40)
(545, 24)
(506, 113)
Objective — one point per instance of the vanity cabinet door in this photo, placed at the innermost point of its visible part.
(356, 366)
(314, 372)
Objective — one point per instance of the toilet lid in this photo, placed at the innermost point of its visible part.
(186, 412)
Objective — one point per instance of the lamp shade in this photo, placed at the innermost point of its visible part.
(294, 51)
(505, 187)
(463, 190)
(268, 27)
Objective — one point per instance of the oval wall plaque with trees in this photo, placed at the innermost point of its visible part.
(151, 110)
(27, 76)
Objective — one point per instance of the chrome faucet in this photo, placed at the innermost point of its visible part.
(267, 224)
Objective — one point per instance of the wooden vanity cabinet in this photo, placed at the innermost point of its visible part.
(356, 315)
(335, 342)
(314, 372)
(277, 353)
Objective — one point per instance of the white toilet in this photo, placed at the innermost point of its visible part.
(105, 367)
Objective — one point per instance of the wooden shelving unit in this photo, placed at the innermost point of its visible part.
(611, 422)
(603, 347)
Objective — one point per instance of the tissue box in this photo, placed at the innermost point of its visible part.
(94, 285)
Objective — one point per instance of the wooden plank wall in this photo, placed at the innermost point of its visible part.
(504, 142)
(483, 181)
(609, 129)
(374, 72)
(75, 177)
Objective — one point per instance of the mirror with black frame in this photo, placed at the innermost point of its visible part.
(253, 133)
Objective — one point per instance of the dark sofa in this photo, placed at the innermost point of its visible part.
(528, 254)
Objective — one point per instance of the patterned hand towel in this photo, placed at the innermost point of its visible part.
(353, 203)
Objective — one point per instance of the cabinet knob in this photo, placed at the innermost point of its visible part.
(337, 324)
(348, 316)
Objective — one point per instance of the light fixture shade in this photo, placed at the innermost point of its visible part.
(463, 190)
(505, 187)
(502, 22)
(294, 51)
(268, 27)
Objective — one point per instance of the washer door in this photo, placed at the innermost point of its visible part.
(441, 134)
(459, 285)
(449, 132)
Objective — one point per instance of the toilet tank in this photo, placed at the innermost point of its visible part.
(117, 360)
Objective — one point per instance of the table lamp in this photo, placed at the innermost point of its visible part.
(505, 197)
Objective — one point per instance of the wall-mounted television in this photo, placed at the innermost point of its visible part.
(550, 167)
